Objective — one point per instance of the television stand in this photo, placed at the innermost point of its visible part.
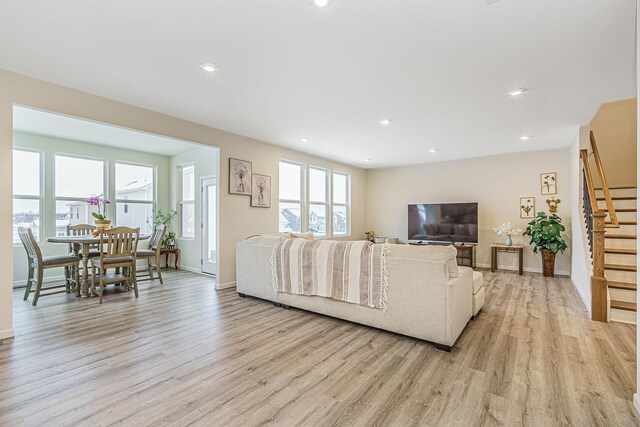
(466, 252)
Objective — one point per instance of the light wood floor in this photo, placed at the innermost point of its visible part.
(184, 354)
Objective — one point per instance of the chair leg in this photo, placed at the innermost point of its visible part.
(38, 285)
(29, 283)
(77, 268)
(134, 279)
(101, 284)
(150, 268)
(67, 278)
(158, 269)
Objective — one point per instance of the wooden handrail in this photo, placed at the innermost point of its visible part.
(584, 154)
(613, 217)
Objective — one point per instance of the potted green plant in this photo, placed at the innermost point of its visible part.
(545, 232)
(165, 218)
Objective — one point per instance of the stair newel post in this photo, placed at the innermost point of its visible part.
(598, 281)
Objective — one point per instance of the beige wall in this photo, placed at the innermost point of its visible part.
(237, 219)
(615, 128)
(495, 182)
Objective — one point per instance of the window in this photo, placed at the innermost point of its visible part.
(323, 209)
(76, 179)
(318, 200)
(187, 203)
(291, 180)
(341, 202)
(135, 196)
(26, 192)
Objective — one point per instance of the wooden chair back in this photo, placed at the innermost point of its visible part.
(80, 230)
(155, 242)
(119, 242)
(30, 244)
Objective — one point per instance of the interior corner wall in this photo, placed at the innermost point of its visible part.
(236, 218)
(581, 258)
(495, 182)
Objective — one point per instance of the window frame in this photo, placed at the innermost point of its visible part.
(105, 181)
(153, 202)
(39, 197)
(182, 202)
(346, 205)
(328, 196)
(304, 219)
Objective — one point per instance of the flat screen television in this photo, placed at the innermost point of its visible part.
(443, 222)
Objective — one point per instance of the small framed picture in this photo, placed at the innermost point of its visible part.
(548, 183)
(239, 177)
(260, 191)
(527, 207)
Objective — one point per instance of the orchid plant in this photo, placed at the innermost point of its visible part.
(101, 203)
(506, 229)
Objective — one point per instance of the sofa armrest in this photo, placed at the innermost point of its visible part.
(459, 302)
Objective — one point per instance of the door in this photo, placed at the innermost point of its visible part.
(209, 225)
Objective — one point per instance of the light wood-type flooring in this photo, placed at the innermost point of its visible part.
(184, 354)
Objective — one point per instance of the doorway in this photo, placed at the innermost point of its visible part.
(209, 191)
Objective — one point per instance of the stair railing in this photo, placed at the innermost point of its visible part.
(595, 219)
(613, 217)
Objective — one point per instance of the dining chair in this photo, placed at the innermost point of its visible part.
(153, 253)
(39, 263)
(119, 246)
(81, 230)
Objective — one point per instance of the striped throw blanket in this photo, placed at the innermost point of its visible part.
(353, 272)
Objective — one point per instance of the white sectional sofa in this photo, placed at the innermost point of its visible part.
(430, 297)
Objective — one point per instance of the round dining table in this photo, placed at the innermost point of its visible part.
(82, 245)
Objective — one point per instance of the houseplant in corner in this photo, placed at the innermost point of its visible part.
(545, 232)
(166, 219)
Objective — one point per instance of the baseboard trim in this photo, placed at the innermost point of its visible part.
(191, 269)
(636, 402)
(22, 283)
(223, 286)
(528, 270)
(7, 333)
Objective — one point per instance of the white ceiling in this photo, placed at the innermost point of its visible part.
(60, 126)
(439, 68)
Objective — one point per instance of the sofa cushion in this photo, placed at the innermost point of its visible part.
(428, 252)
(308, 235)
(264, 240)
(478, 281)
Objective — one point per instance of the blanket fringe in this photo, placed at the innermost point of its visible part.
(385, 278)
(274, 272)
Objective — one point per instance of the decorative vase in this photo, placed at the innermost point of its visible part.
(102, 224)
(548, 262)
(509, 242)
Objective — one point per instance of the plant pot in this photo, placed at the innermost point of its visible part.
(102, 224)
(548, 262)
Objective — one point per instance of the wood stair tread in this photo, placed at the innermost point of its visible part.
(620, 267)
(620, 236)
(617, 187)
(626, 210)
(623, 222)
(600, 199)
(622, 285)
(624, 305)
(620, 251)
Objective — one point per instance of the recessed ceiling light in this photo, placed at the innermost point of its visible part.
(321, 4)
(367, 160)
(525, 137)
(304, 140)
(433, 150)
(516, 92)
(209, 67)
(385, 122)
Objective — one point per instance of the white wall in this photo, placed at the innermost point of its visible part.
(496, 182)
(205, 160)
(50, 146)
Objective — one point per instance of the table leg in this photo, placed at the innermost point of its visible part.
(85, 270)
(520, 261)
(177, 255)
(166, 260)
(494, 260)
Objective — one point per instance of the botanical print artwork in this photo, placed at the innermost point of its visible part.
(527, 207)
(239, 177)
(261, 191)
(548, 183)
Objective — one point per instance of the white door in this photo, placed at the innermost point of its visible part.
(209, 225)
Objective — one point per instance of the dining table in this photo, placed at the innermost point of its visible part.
(82, 246)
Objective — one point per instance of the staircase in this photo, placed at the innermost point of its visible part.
(620, 253)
